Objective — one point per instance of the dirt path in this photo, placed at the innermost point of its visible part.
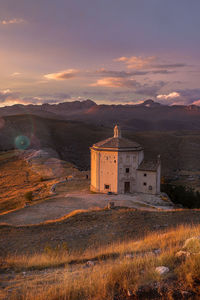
(59, 206)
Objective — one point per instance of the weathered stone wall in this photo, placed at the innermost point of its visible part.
(146, 182)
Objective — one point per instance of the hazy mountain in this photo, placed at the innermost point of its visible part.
(148, 115)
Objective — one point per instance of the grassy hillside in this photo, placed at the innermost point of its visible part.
(24, 182)
(123, 270)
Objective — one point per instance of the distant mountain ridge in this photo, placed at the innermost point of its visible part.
(148, 115)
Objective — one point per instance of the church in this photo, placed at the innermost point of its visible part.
(118, 166)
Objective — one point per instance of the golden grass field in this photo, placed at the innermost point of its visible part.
(123, 270)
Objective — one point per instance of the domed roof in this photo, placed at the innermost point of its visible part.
(117, 142)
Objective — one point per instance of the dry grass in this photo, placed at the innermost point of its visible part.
(19, 177)
(169, 242)
(114, 271)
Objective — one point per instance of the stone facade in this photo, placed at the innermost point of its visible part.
(118, 166)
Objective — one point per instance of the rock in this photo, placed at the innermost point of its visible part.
(90, 263)
(162, 270)
(157, 251)
(129, 255)
(192, 244)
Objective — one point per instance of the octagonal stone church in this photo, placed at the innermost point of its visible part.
(118, 166)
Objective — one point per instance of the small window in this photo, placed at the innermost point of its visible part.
(127, 170)
(114, 161)
(106, 186)
(144, 183)
(145, 174)
(150, 187)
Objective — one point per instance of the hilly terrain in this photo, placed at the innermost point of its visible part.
(70, 141)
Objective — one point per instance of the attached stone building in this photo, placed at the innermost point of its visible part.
(118, 166)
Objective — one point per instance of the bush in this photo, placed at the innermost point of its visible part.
(180, 194)
(29, 196)
(57, 250)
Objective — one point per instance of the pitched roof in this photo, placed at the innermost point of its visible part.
(117, 143)
(148, 165)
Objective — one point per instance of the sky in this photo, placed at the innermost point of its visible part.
(110, 51)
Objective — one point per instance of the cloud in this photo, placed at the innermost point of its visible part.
(15, 74)
(136, 62)
(181, 97)
(116, 82)
(169, 66)
(67, 74)
(149, 62)
(12, 21)
(171, 95)
(197, 102)
(137, 87)
(58, 96)
(124, 74)
(7, 95)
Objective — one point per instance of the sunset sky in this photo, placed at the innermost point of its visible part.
(110, 51)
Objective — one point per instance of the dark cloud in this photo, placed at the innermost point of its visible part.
(61, 96)
(161, 72)
(150, 89)
(124, 74)
(169, 66)
(7, 95)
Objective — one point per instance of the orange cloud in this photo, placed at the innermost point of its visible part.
(136, 62)
(67, 74)
(115, 82)
(12, 21)
(197, 102)
(108, 82)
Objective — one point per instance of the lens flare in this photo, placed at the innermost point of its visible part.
(22, 142)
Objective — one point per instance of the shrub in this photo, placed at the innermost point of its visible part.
(184, 195)
(57, 250)
(29, 196)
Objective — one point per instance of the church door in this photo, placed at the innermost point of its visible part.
(126, 187)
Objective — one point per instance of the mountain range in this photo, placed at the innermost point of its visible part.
(148, 115)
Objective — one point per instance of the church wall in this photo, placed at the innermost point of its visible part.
(94, 170)
(128, 163)
(108, 171)
(147, 182)
(104, 171)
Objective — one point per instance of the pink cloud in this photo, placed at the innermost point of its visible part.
(67, 74)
